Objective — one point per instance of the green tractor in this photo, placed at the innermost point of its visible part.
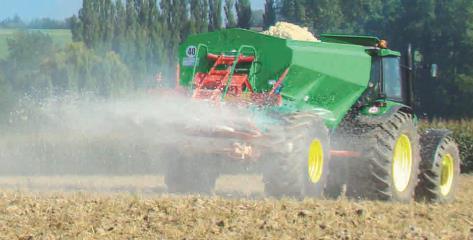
(329, 117)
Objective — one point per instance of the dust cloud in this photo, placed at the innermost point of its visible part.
(80, 135)
(82, 143)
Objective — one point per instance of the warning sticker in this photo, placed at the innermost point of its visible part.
(188, 61)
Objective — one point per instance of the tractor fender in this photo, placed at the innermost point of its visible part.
(377, 119)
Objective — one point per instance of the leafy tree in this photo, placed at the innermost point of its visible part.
(156, 53)
(131, 34)
(14, 22)
(243, 8)
(384, 23)
(7, 99)
(90, 22)
(288, 10)
(324, 16)
(300, 12)
(48, 23)
(269, 16)
(27, 50)
(257, 18)
(76, 28)
(215, 15)
(451, 48)
(358, 13)
(77, 69)
(106, 16)
(143, 9)
(230, 17)
(167, 24)
(109, 18)
(142, 39)
(119, 40)
(181, 19)
(206, 16)
(196, 23)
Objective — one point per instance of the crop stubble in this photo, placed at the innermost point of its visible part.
(28, 214)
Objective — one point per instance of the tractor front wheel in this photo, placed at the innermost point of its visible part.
(388, 167)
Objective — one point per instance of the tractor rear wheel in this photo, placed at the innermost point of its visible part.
(189, 174)
(440, 167)
(388, 167)
(297, 165)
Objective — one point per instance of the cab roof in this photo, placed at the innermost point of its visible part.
(366, 41)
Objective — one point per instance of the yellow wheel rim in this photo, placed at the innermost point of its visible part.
(446, 175)
(316, 161)
(402, 163)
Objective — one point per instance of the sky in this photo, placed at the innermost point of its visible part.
(57, 9)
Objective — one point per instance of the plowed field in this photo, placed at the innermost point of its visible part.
(136, 208)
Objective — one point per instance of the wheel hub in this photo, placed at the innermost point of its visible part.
(315, 161)
(446, 175)
(402, 163)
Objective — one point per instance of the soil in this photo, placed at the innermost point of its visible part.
(89, 211)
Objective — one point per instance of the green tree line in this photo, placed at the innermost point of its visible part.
(37, 69)
(120, 46)
(39, 23)
(146, 33)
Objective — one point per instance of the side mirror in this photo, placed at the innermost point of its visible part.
(417, 57)
(434, 70)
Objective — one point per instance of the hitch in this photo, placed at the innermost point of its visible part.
(243, 150)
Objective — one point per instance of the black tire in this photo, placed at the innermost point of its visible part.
(435, 145)
(371, 175)
(190, 174)
(286, 171)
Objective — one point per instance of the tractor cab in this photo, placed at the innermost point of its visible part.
(391, 76)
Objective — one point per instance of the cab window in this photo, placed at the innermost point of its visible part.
(376, 72)
(392, 80)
